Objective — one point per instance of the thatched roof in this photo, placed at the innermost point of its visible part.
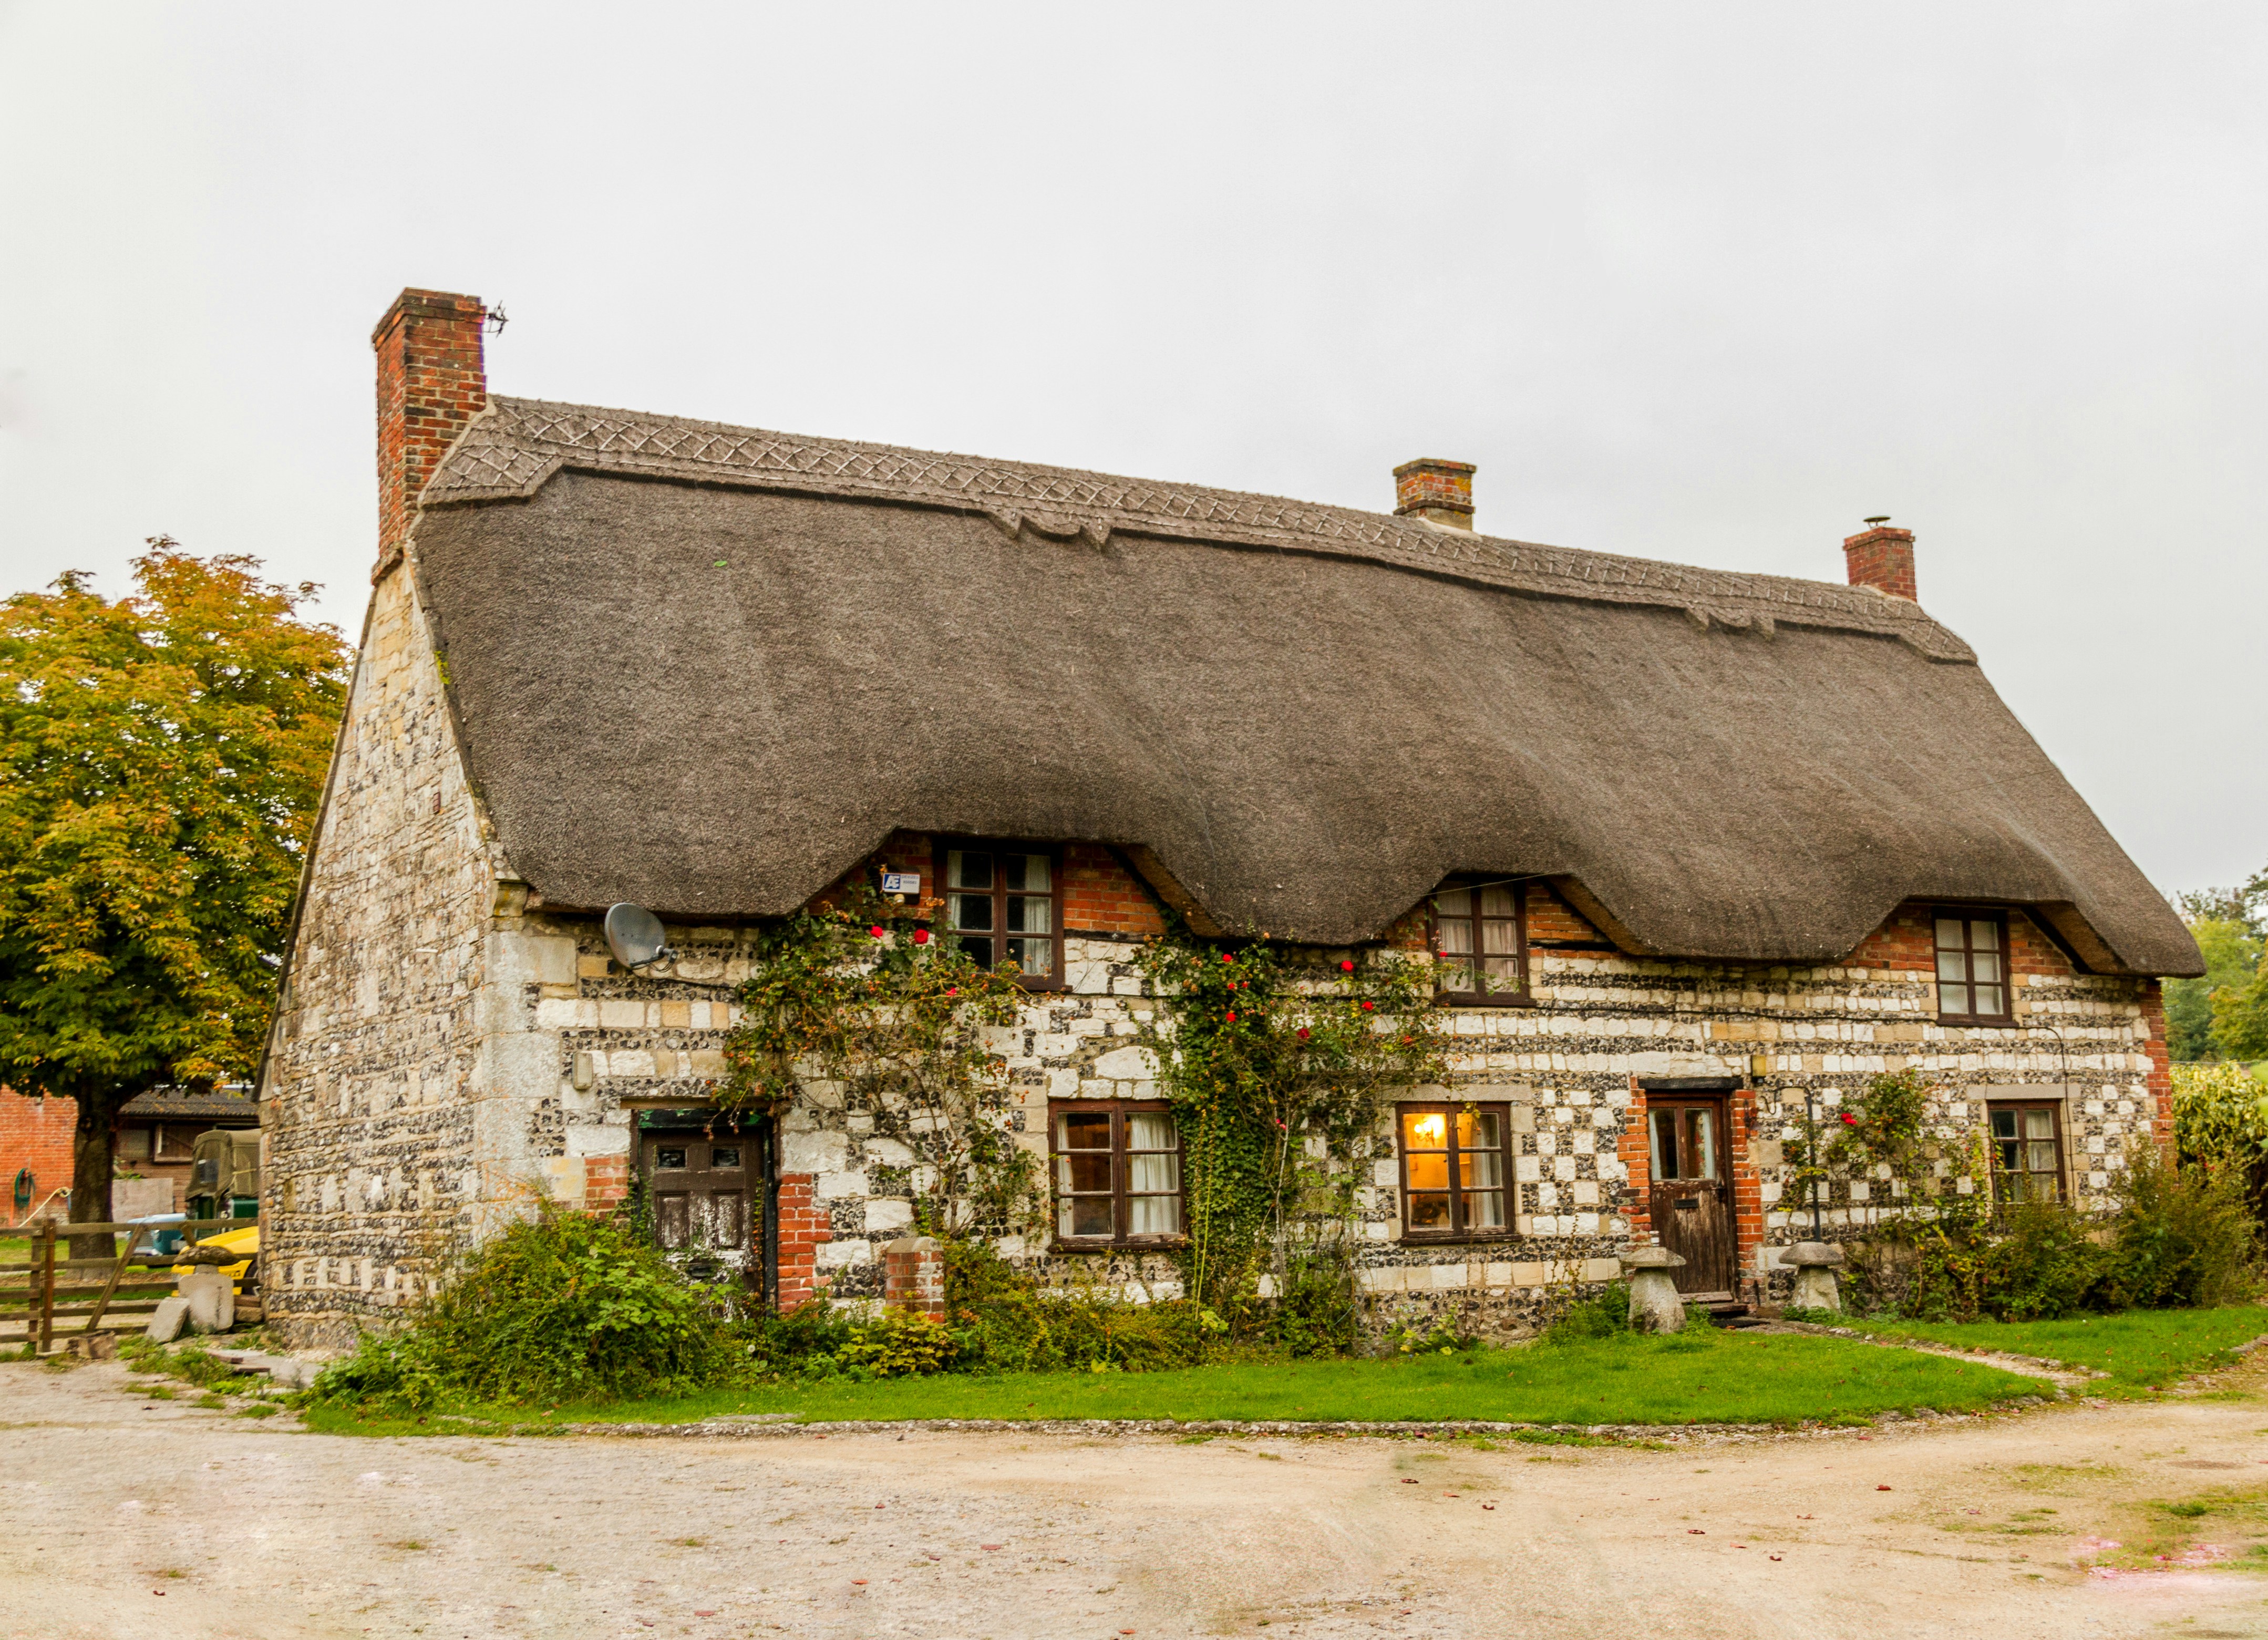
(709, 669)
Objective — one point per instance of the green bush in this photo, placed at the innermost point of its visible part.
(898, 1345)
(1008, 1325)
(2185, 1238)
(1599, 1317)
(567, 1306)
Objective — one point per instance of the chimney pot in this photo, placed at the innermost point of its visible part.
(1438, 491)
(1883, 558)
(431, 380)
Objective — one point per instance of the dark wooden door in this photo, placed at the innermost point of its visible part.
(1691, 1197)
(703, 1187)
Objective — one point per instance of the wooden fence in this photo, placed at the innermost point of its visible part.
(82, 1293)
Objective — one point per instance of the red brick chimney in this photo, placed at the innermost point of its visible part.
(1883, 558)
(1439, 492)
(431, 382)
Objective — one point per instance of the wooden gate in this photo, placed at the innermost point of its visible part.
(1691, 1197)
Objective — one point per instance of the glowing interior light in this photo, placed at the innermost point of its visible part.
(1431, 1129)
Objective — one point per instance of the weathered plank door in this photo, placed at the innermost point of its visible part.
(1691, 1196)
(703, 1187)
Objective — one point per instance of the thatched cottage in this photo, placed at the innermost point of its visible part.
(1716, 841)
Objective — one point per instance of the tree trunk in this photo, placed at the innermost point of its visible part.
(92, 1143)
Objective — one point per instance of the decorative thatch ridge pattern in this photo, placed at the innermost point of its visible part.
(517, 444)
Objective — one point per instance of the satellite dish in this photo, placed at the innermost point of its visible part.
(633, 934)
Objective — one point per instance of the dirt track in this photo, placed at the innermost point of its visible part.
(122, 1519)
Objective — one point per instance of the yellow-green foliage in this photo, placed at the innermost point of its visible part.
(2221, 1113)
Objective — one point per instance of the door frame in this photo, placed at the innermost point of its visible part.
(1732, 1145)
(763, 1173)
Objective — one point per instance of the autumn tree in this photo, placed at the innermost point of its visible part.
(161, 758)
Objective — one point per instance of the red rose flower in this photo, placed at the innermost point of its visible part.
(876, 931)
(1369, 1007)
(953, 990)
(1346, 965)
(1227, 956)
(1303, 1032)
(1849, 1121)
(1232, 1016)
(921, 937)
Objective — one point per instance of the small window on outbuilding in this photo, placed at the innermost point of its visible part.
(1118, 1173)
(1002, 904)
(2026, 1151)
(1480, 944)
(1972, 967)
(1455, 1163)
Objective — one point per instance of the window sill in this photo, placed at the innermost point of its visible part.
(1458, 1239)
(1451, 999)
(1147, 1244)
(1990, 1021)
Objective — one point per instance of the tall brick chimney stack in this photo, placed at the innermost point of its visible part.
(431, 381)
(1439, 492)
(1883, 558)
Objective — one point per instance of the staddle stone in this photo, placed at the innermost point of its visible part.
(1655, 1305)
(1815, 1287)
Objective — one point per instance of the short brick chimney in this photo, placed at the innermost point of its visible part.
(431, 381)
(1883, 558)
(1439, 492)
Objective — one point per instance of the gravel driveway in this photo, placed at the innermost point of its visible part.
(122, 1518)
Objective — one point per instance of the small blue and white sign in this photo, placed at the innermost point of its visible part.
(902, 882)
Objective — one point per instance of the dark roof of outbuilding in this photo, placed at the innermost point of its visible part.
(180, 1104)
(715, 693)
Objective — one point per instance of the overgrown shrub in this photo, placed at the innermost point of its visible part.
(567, 1306)
(1598, 1317)
(1009, 1324)
(2183, 1237)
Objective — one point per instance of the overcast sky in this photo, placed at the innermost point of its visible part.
(1708, 283)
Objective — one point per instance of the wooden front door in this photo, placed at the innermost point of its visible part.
(703, 1187)
(1691, 1197)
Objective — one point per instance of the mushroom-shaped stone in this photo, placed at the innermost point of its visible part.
(1655, 1305)
(1815, 1287)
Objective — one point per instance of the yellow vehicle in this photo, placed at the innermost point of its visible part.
(245, 1242)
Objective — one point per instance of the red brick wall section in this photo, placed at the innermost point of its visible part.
(802, 1226)
(431, 380)
(2161, 1066)
(35, 1132)
(1550, 917)
(1631, 1149)
(913, 1276)
(1748, 1184)
(1882, 559)
(606, 1183)
(1101, 896)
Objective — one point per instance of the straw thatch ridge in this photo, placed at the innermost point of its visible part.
(714, 694)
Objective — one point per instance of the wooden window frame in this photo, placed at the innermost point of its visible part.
(1523, 997)
(1507, 1148)
(942, 849)
(2062, 1170)
(1966, 915)
(1118, 1110)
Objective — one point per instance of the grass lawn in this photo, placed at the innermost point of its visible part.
(2139, 1349)
(1704, 1377)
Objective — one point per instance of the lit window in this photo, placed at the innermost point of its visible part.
(1453, 1169)
(1972, 966)
(1118, 1173)
(1000, 907)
